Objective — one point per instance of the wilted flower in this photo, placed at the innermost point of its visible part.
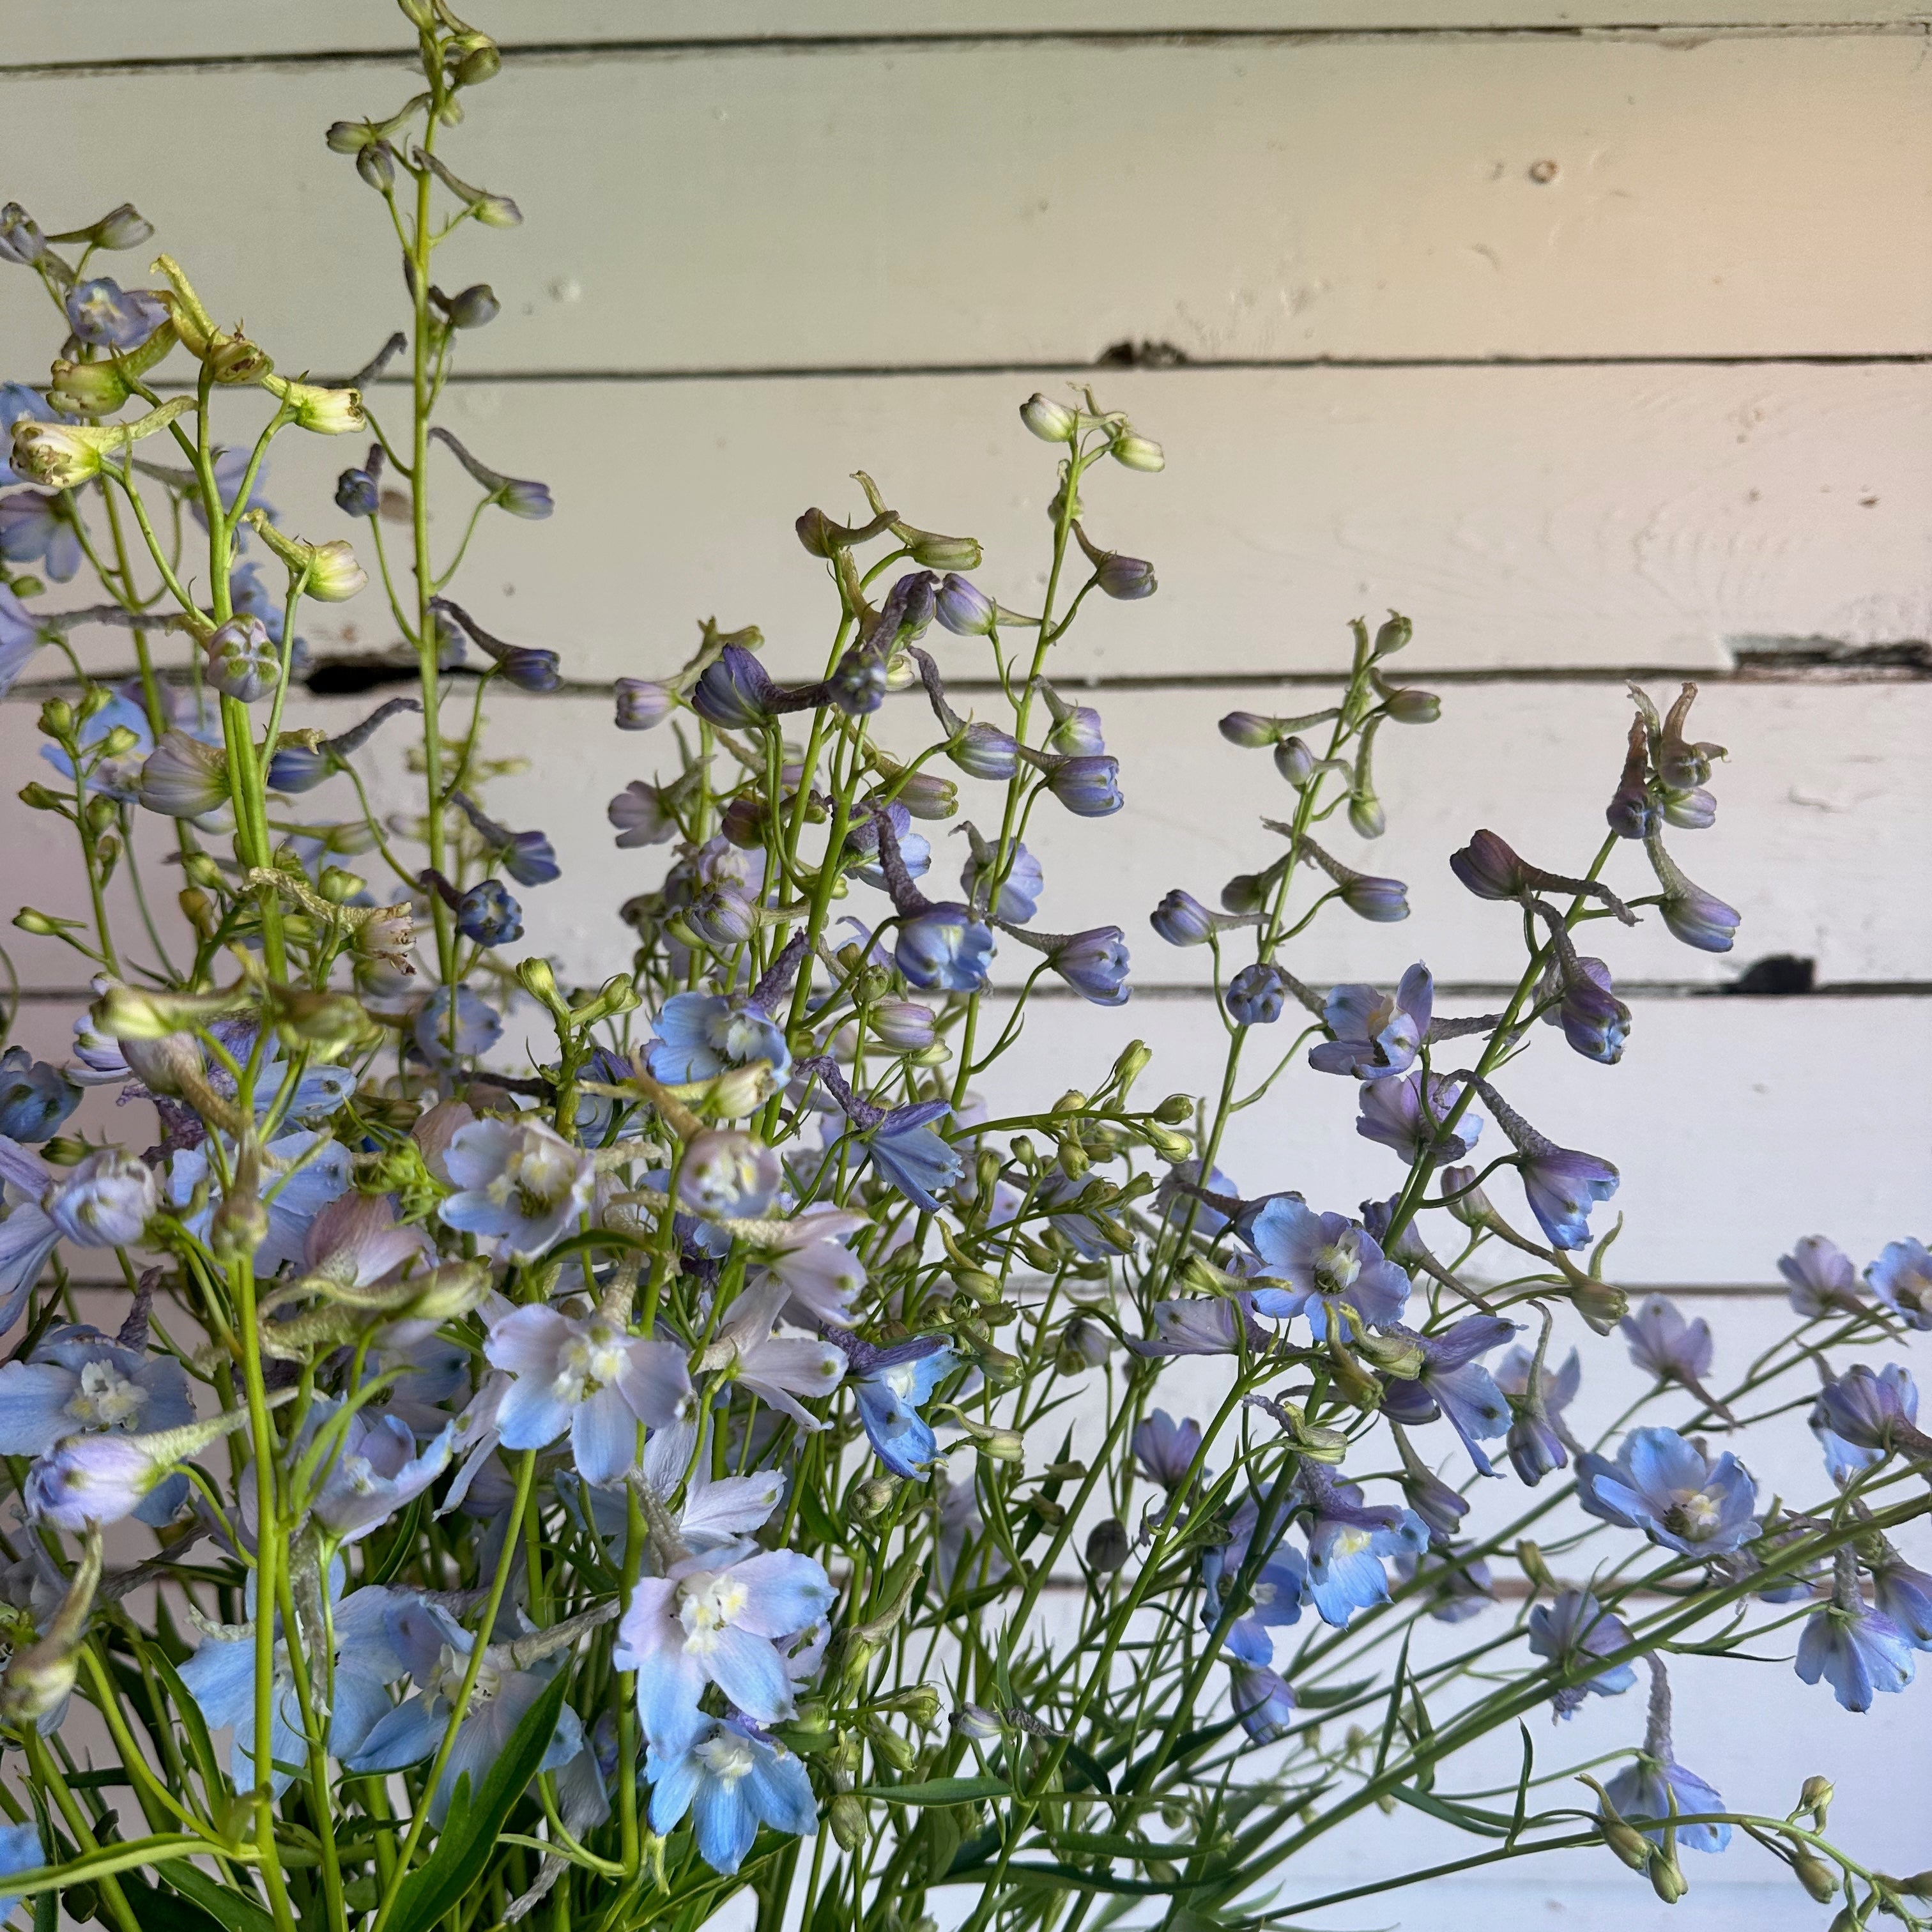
(1654, 1785)
(1697, 917)
(1665, 1486)
(520, 1186)
(528, 857)
(589, 1378)
(1313, 1263)
(731, 1778)
(1901, 1278)
(1375, 1034)
(1575, 1626)
(518, 495)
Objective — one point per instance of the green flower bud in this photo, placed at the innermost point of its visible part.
(1815, 1798)
(1107, 1547)
(1051, 421)
(327, 411)
(1392, 635)
(847, 1818)
(1666, 1878)
(1815, 1875)
(1137, 452)
(59, 456)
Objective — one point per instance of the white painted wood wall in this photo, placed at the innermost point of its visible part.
(1595, 337)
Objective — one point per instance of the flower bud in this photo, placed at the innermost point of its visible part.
(474, 307)
(643, 703)
(480, 61)
(927, 795)
(122, 227)
(88, 389)
(934, 552)
(182, 778)
(1666, 1878)
(1296, 763)
(40, 1675)
(1392, 636)
(1181, 919)
(963, 608)
(1107, 1547)
(1137, 452)
(903, 1025)
(977, 1722)
(1125, 578)
(1409, 707)
(240, 1226)
(243, 662)
(1815, 1798)
(61, 456)
(376, 164)
(1051, 421)
(1815, 1875)
(873, 1498)
(1248, 729)
(847, 1815)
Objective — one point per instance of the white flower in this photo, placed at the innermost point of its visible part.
(522, 1185)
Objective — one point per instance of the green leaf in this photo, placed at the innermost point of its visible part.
(468, 1839)
(234, 1909)
(934, 1791)
(158, 1911)
(201, 1747)
(1088, 1768)
(1321, 1697)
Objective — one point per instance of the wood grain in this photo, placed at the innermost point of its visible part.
(995, 204)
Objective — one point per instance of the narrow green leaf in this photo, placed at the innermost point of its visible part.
(468, 1838)
(159, 1911)
(236, 1912)
(1322, 1697)
(940, 1791)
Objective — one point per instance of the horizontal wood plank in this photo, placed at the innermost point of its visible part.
(1816, 842)
(967, 204)
(1521, 518)
(51, 31)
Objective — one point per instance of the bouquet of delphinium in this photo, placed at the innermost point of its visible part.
(590, 1451)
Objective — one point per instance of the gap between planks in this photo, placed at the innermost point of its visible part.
(1669, 35)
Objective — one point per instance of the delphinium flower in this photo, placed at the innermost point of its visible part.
(1648, 1786)
(1311, 1264)
(1347, 1539)
(302, 766)
(1275, 1595)
(1019, 892)
(900, 1141)
(1454, 1587)
(778, 1368)
(1381, 901)
(1262, 1699)
(1666, 1486)
(1441, 1507)
(1094, 964)
(1861, 1417)
(1539, 1439)
(1393, 1114)
(1453, 1383)
(102, 313)
(1662, 1344)
(34, 1097)
(1858, 1651)
(892, 1384)
(588, 1377)
(1204, 1325)
(947, 946)
(1573, 1626)
(520, 1186)
(37, 528)
(77, 1382)
(518, 664)
(423, 1641)
(528, 857)
(1903, 1594)
(697, 1036)
(518, 496)
(1901, 1278)
(1166, 1449)
(102, 1476)
(1695, 917)
(441, 1040)
(485, 912)
(220, 1678)
(1562, 1185)
(731, 1777)
(1821, 1276)
(104, 1201)
(729, 1618)
(1375, 1034)
(20, 1851)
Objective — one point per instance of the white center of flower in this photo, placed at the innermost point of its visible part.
(534, 1176)
(106, 1399)
(1336, 1267)
(1351, 1542)
(725, 1755)
(1696, 1510)
(451, 1666)
(588, 1361)
(709, 1601)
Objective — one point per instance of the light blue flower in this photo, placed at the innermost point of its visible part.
(1262, 1700)
(909, 1154)
(34, 1097)
(1821, 1276)
(1857, 1651)
(423, 1641)
(301, 1173)
(35, 527)
(20, 638)
(76, 1383)
(477, 1027)
(1346, 1542)
(1575, 1625)
(699, 1035)
(1314, 1263)
(1901, 1278)
(1860, 1417)
(892, 1384)
(733, 1618)
(1019, 890)
(1454, 1384)
(376, 1471)
(1664, 1485)
(1644, 1789)
(1375, 1034)
(732, 1779)
(1905, 1595)
(220, 1678)
(1279, 1588)
(20, 1849)
(101, 312)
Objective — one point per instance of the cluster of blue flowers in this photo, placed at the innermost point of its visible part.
(590, 1438)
